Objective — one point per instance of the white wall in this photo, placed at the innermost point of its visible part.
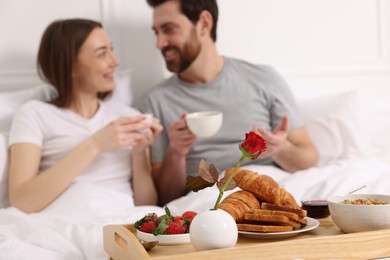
(21, 24)
(327, 45)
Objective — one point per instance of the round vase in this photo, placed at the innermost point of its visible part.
(212, 229)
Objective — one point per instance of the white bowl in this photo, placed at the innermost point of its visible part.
(204, 124)
(164, 239)
(357, 218)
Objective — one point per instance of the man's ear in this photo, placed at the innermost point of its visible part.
(205, 22)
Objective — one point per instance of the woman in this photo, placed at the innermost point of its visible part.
(76, 137)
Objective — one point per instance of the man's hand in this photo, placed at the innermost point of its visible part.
(180, 137)
(275, 140)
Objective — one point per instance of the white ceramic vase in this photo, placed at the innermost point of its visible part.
(212, 229)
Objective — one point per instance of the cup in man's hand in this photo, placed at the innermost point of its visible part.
(205, 123)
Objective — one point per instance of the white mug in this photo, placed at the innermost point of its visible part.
(204, 123)
(148, 119)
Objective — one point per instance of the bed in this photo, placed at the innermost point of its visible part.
(350, 130)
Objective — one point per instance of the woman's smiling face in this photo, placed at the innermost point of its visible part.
(96, 63)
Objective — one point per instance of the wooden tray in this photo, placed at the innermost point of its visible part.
(326, 241)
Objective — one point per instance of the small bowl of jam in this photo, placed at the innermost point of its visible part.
(317, 208)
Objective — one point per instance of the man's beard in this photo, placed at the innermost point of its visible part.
(186, 57)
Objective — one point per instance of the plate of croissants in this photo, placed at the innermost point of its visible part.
(264, 210)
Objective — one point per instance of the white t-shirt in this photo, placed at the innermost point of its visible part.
(58, 130)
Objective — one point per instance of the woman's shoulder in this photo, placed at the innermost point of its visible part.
(35, 105)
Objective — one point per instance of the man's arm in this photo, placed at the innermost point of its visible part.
(291, 150)
(170, 175)
(297, 153)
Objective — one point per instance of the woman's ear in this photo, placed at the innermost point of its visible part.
(205, 22)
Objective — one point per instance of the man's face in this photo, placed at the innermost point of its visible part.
(177, 37)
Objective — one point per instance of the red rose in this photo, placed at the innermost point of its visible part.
(253, 145)
(251, 148)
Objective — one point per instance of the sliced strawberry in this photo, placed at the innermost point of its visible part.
(175, 228)
(148, 226)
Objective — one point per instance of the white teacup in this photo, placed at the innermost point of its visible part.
(148, 119)
(205, 123)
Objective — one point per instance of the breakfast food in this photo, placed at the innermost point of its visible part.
(263, 187)
(271, 219)
(262, 205)
(239, 203)
(299, 211)
(263, 228)
(166, 224)
(366, 202)
(293, 216)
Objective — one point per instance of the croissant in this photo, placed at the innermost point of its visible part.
(239, 203)
(263, 187)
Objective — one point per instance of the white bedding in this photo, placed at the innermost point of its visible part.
(71, 227)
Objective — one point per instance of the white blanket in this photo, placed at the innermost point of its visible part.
(71, 227)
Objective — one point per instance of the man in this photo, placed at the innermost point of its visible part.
(248, 95)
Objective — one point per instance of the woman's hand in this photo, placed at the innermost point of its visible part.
(124, 131)
(149, 136)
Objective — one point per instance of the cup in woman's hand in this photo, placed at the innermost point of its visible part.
(205, 123)
(148, 120)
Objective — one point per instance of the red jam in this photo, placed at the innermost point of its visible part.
(316, 208)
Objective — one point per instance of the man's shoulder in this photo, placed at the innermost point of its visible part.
(247, 65)
(162, 88)
(157, 94)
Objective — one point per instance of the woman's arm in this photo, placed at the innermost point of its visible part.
(30, 191)
(145, 192)
(142, 182)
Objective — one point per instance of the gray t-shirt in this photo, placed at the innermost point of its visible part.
(247, 94)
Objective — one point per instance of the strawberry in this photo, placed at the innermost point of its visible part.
(189, 215)
(177, 219)
(151, 216)
(148, 226)
(188, 227)
(175, 228)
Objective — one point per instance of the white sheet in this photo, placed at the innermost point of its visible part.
(71, 227)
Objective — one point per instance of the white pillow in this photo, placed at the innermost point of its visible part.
(3, 173)
(335, 126)
(376, 112)
(10, 102)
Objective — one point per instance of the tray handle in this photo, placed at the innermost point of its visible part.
(120, 243)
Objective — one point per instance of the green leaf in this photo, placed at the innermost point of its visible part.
(162, 226)
(197, 183)
(167, 211)
(230, 186)
(139, 223)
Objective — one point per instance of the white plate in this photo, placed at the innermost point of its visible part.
(164, 240)
(311, 224)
